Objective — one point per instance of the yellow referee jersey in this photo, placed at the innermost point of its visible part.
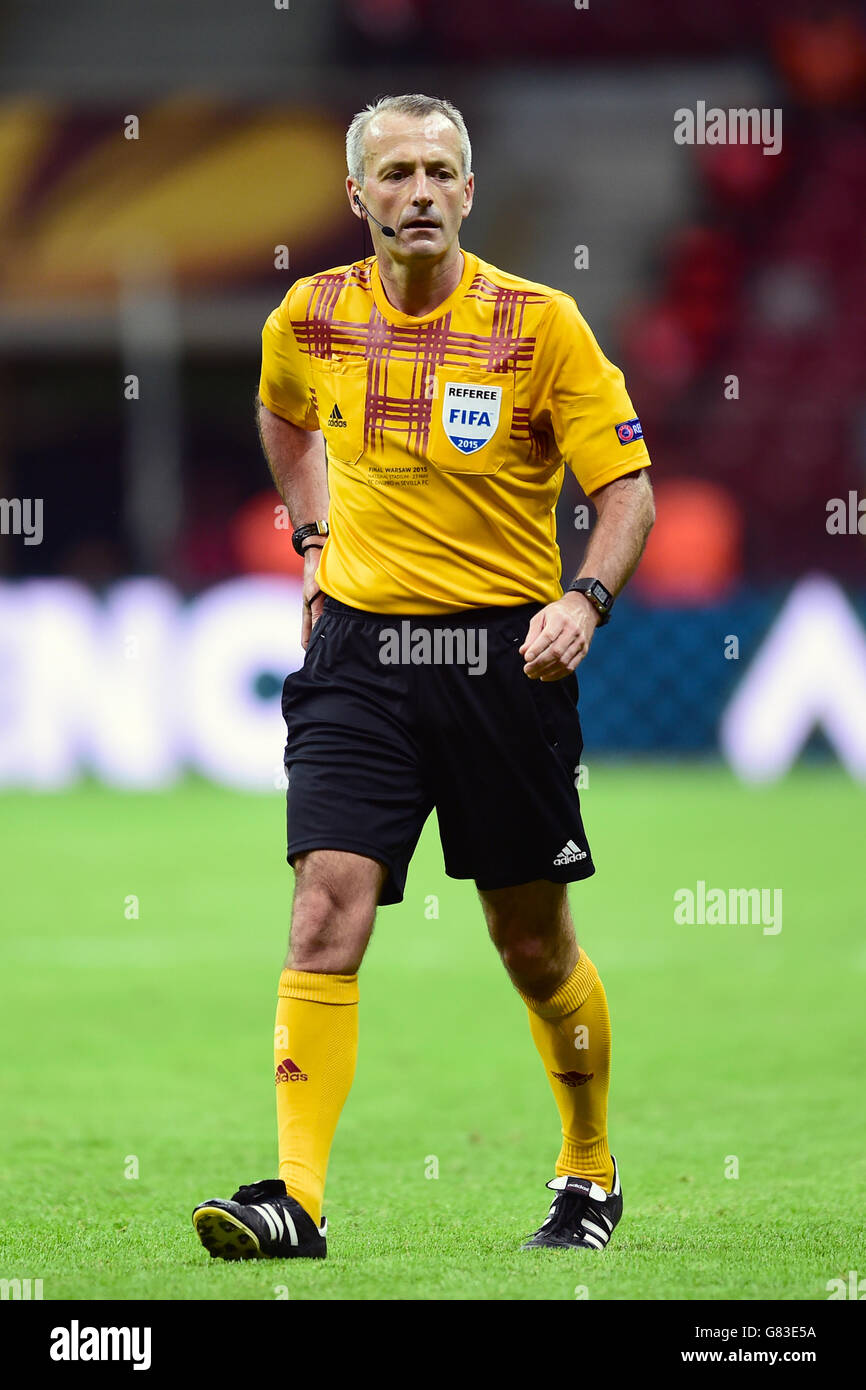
(447, 435)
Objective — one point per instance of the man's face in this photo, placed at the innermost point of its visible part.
(413, 182)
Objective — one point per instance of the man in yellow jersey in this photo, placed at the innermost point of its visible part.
(417, 410)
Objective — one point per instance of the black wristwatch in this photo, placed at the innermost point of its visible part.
(312, 528)
(600, 597)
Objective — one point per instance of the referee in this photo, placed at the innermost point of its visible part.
(417, 410)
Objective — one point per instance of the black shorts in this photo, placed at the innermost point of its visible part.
(391, 716)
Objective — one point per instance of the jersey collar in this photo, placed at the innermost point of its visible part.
(387, 310)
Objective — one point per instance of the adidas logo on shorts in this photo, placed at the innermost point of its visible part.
(335, 419)
(569, 854)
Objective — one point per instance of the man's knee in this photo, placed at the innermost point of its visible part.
(322, 900)
(532, 930)
(333, 912)
(539, 965)
(531, 912)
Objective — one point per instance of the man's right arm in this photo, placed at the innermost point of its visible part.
(298, 466)
(296, 458)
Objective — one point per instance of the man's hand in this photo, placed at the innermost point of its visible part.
(558, 638)
(314, 599)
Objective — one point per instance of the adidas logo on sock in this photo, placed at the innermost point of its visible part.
(288, 1071)
(335, 419)
(573, 1078)
(569, 854)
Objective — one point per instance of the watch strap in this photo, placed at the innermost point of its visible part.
(600, 597)
(303, 533)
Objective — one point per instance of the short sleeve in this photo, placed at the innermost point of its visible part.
(581, 397)
(285, 386)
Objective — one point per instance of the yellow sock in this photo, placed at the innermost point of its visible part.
(572, 1033)
(315, 1050)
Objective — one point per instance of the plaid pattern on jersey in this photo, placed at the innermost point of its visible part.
(339, 358)
(506, 348)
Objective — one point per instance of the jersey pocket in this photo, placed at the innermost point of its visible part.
(470, 420)
(341, 399)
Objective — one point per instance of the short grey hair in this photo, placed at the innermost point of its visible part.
(413, 104)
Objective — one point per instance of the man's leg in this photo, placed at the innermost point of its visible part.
(532, 929)
(316, 1033)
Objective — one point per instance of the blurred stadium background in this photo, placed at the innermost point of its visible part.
(145, 638)
(154, 258)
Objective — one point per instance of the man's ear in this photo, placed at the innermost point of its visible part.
(468, 195)
(353, 191)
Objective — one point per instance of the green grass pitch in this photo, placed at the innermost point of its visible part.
(147, 1042)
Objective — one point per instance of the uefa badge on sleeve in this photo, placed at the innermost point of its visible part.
(470, 415)
(629, 431)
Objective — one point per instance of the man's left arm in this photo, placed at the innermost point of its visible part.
(559, 635)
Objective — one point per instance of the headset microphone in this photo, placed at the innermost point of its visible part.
(386, 231)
